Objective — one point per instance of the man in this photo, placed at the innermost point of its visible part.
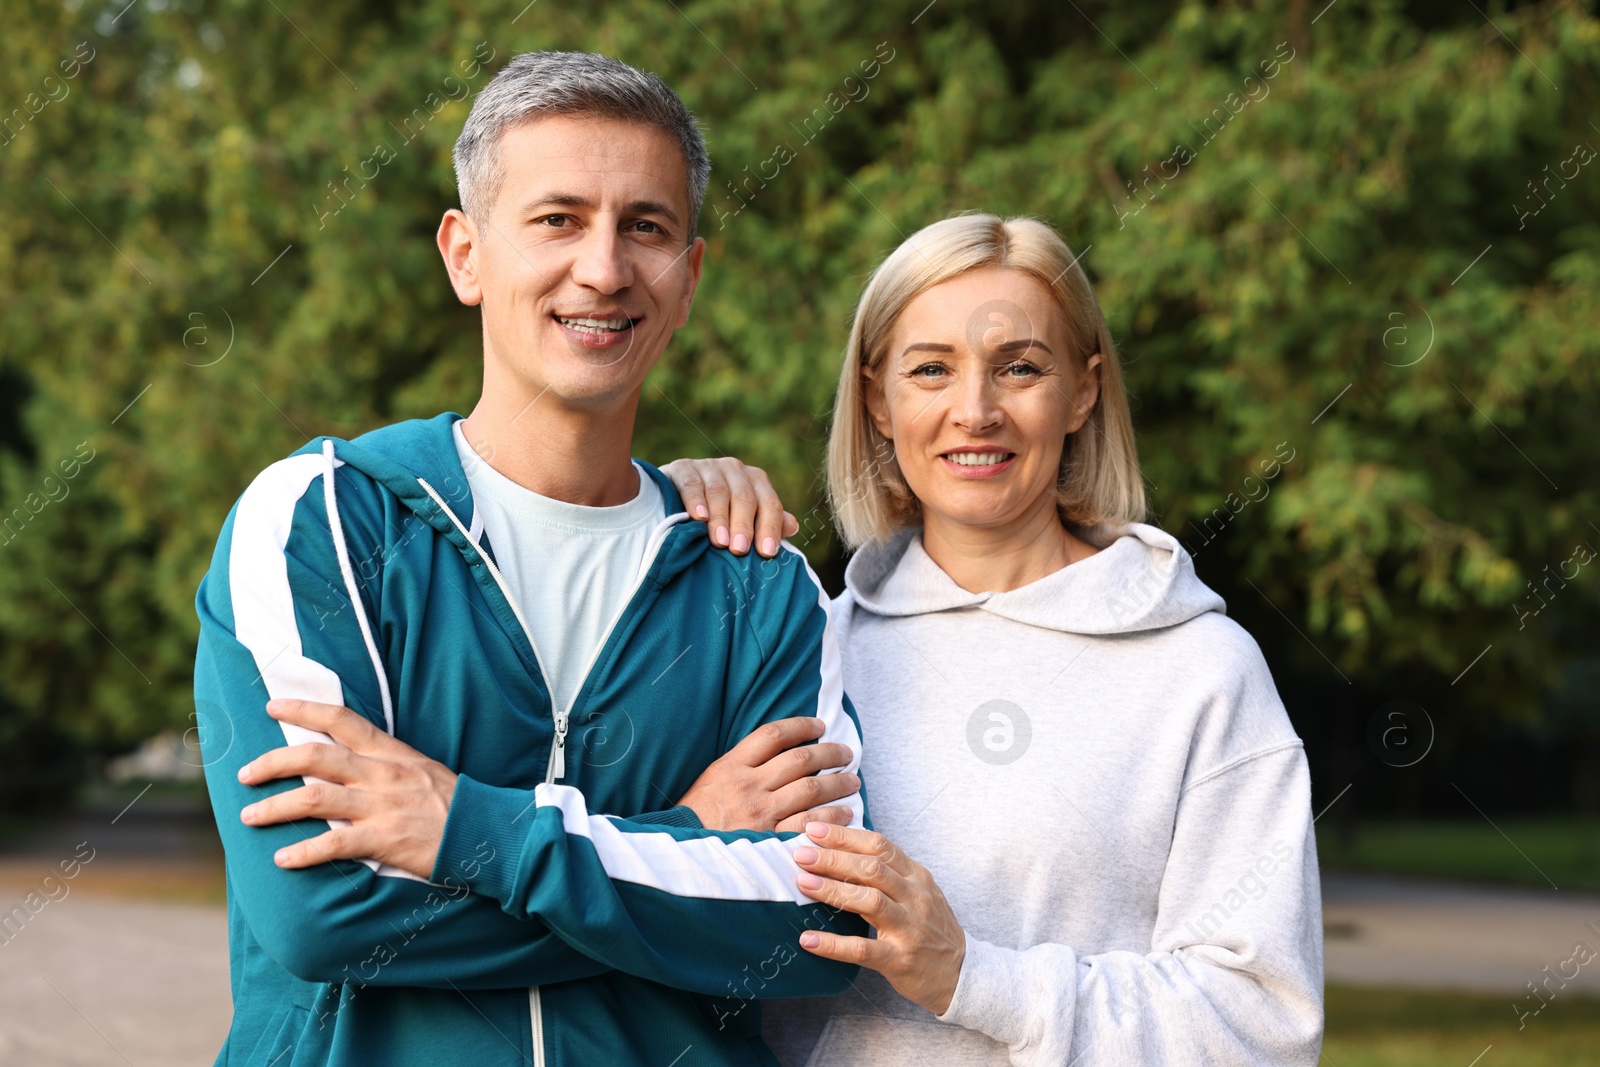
(507, 626)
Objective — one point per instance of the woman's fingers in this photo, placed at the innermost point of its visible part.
(742, 505)
(842, 841)
(858, 950)
(869, 902)
(770, 516)
(685, 476)
(736, 502)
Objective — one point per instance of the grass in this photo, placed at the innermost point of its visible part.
(1564, 851)
(1408, 1028)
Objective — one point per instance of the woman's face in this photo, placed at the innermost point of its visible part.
(978, 393)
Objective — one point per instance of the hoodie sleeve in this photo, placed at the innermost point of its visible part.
(711, 911)
(276, 621)
(1234, 970)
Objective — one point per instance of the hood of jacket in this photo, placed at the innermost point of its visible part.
(1141, 579)
(408, 458)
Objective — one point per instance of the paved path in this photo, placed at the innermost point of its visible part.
(93, 981)
(1393, 931)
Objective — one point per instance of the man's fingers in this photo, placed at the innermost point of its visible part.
(814, 791)
(770, 739)
(806, 760)
(339, 723)
(329, 762)
(314, 800)
(833, 815)
(343, 843)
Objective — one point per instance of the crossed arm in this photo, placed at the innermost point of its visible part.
(397, 801)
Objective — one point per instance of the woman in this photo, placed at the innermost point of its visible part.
(1093, 831)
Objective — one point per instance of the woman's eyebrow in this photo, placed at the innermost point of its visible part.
(926, 346)
(1022, 345)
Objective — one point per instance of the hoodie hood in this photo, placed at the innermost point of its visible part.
(1141, 579)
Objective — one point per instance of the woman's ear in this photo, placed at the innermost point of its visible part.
(877, 403)
(1086, 393)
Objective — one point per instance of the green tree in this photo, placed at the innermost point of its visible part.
(217, 242)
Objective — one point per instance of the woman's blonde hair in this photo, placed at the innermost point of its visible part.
(1099, 481)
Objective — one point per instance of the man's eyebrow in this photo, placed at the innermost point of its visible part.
(636, 207)
(653, 207)
(557, 200)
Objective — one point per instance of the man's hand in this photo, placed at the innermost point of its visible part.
(769, 781)
(736, 502)
(395, 798)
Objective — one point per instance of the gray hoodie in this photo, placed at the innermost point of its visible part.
(1097, 770)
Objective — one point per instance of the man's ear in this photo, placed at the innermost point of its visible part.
(1085, 395)
(877, 403)
(458, 244)
(696, 260)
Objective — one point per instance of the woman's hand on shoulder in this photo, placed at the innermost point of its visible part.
(736, 502)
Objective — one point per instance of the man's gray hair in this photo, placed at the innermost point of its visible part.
(537, 85)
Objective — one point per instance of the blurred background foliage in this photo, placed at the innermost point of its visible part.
(1366, 235)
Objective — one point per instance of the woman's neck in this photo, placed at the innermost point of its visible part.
(982, 559)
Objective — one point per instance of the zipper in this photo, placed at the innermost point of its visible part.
(558, 760)
(536, 1011)
(561, 716)
(652, 548)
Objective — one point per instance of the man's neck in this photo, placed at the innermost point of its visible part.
(581, 457)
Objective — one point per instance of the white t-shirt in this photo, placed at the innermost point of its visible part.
(570, 567)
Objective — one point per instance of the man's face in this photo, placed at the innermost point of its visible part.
(584, 267)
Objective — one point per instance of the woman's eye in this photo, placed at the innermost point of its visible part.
(928, 370)
(1022, 370)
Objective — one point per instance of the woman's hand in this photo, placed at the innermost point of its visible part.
(772, 780)
(920, 945)
(736, 502)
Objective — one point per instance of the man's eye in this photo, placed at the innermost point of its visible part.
(646, 226)
(555, 221)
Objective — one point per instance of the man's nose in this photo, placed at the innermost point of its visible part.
(603, 263)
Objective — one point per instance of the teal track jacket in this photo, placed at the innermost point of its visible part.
(549, 933)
